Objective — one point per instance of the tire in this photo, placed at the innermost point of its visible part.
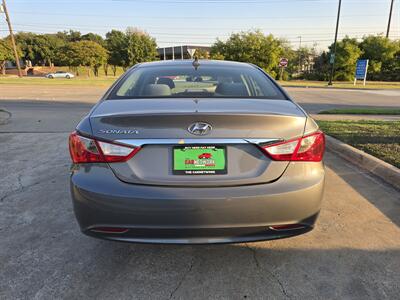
(68, 77)
(50, 77)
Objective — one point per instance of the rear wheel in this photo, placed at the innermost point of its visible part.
(50, 76)
(68, 77)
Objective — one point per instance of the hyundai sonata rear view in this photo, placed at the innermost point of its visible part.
(196, 152)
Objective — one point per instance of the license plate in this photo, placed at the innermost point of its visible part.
(199, 160)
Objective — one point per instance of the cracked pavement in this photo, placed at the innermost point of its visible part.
(353, 253)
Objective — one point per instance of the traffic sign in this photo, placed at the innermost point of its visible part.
(191, 52)
(283, 62)
(332, 58)
(361, 70)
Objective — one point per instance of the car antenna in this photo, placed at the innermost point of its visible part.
(196, 63)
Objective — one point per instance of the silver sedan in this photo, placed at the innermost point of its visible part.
(196, 152)
(60, 74)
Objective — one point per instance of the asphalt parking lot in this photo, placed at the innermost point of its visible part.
(354, 252)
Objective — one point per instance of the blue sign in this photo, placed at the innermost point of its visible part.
(361, 68)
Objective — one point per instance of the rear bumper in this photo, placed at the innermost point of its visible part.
(157, 214)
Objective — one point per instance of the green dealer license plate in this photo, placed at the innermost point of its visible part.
(199, 160)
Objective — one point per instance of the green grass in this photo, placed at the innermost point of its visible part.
(82, 80)
(378, 138)
(361, 111)
(77, 81)
(341, 84)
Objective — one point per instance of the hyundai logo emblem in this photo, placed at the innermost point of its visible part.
(199, 128)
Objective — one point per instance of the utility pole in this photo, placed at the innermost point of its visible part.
(12, 38)
(390, 19)
(333, 58)
(299, 54)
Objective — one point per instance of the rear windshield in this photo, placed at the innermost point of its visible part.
(188, 82)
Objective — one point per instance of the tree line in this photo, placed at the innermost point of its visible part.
(72, 49)
(126, 48)
(307, 63)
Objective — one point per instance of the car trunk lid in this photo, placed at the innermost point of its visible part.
(159, 125)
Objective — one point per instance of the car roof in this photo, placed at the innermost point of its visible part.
(189, 62)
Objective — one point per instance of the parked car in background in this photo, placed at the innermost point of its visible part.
(60, 74)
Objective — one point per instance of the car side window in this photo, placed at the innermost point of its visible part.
(127, 87)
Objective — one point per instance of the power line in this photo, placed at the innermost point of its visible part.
(264, 2)
(51, 25)
(207, 37)
(37, 13)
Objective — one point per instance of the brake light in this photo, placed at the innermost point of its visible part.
(86, 150)
(307, 148)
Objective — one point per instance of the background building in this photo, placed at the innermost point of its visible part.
(180, 52)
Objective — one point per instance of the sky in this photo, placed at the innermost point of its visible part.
(182, 22)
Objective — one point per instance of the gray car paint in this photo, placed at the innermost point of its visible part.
(100, 199)
(169, 118)
(151, 201)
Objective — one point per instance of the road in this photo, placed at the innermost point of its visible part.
(314, 100)
(354, 252)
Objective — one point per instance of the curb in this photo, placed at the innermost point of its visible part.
(379, 168)
(349, 117)
(336, 88)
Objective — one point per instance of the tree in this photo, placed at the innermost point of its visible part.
(69, 36)
(321, 68)
(202, 54)
(6, 53)
(381, 54)
(84, 53)
(39, 48)
(391, 68)
(47, 46)
(217, 56)
(140, 47)
(129, 48)
(94, 38)
(347, 54)
(253, 47)
(115, 44)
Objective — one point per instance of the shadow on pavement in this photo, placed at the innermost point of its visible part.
(261, 270)
(383, 196)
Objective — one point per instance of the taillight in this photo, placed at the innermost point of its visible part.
(86, 150)
(307, 148)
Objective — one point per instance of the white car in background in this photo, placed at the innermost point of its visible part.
(60, 74)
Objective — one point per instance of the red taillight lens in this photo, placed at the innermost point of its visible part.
(308, 148)
(83, 150)
(86, 150)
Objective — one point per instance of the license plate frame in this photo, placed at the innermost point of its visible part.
(195, 160)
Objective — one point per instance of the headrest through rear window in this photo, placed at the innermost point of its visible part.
(167, 81)
(157, 90)
(231, 89)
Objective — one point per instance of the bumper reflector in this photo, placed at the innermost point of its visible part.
(109, 230)
(287, 227)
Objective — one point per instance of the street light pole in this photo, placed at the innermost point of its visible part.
(334, 46)
(12, 38)
(390, 19)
